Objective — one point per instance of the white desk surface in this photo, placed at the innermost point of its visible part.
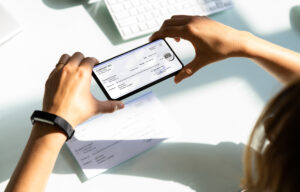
(215, 109)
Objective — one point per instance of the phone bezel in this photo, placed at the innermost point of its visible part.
(141, 88)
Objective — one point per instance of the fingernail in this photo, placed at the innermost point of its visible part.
(121, 105)
(188, 71)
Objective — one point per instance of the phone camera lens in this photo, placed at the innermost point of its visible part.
(169, 56)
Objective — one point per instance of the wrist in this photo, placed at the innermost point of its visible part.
(234, 43)
(48, 136)
(248, 47)
(242, 44)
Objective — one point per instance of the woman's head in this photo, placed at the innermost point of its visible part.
(273, 163)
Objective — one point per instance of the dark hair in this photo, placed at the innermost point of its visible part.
(271, 160)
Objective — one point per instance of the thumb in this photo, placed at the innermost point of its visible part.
(109, 106)
(188, 70)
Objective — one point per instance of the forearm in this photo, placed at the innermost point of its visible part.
(38, 159)
(282, 63)
(68, 83)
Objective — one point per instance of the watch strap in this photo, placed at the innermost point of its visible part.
(52, 119)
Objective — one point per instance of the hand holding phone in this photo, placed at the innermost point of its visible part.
(136, 70)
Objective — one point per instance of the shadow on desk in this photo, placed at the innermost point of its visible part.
(15, 128)
(201, 167)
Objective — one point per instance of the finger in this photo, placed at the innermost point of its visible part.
(188, 70)
(60, 64)
(109, 106)
(88, 63)
(76, 59)
(63, 60)
(175, 22)
(171, 31)
(177, 39)
(180, 16)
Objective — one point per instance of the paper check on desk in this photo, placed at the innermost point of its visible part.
(110, 139)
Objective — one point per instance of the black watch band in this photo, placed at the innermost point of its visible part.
(44, 117)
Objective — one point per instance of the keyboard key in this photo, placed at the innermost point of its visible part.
(141, 18)
(148, 7)
(122, 14)
(141, 9)
(219, 4)
(151, 24)
(143, 26)
(227, 3)
(127, 21)
(157, 6)
(172, 9)
(133, 12)
(127, 5)
(149, 16)
(135, 28)
(178, 7)
(112, 2)
(127, 31)
(117, 7)
(156, 13)
(135, 3)
(212, 6)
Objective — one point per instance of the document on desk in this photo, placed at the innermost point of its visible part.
(110, 139)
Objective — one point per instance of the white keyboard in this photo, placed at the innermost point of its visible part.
(134, 18)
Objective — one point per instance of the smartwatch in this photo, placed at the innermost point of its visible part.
(51, 119)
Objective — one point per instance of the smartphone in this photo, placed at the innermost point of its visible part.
(136, 70)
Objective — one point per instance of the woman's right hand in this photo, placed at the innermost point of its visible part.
(212, 40)
(67, 92)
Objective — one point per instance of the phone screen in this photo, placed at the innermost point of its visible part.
(135, 70)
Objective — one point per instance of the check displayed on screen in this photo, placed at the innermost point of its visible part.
(135, 69)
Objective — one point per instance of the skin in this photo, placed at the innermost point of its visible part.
(67, 92)
(210, 46)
